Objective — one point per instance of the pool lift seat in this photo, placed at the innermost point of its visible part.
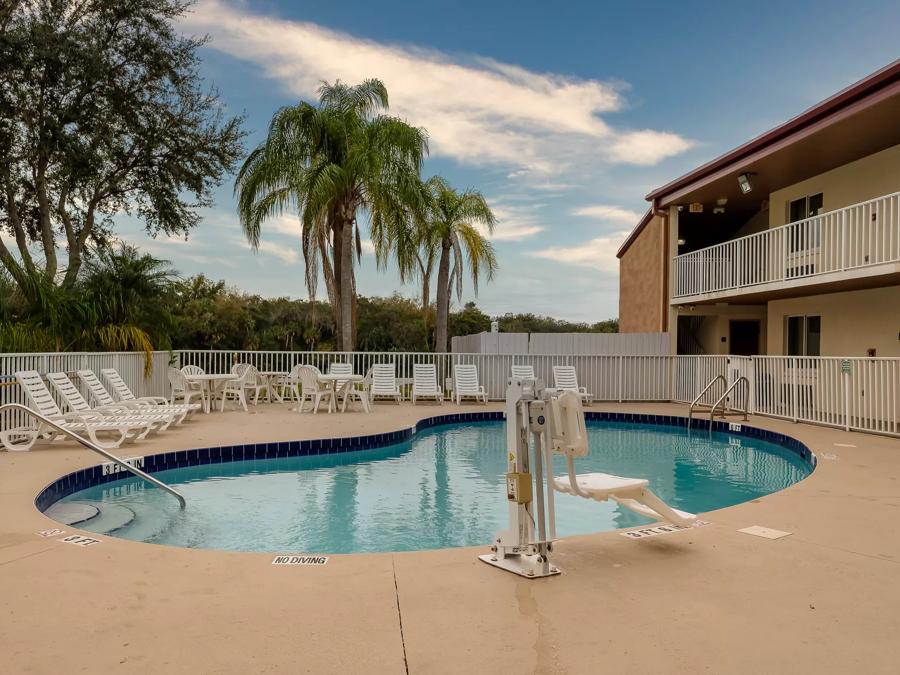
(555, 425)
(569, 438)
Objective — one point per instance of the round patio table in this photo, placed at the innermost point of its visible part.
(211, 382)
(332, 379)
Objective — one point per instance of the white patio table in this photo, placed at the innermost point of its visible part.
(270, 376)
(211, 382)
(331, 379)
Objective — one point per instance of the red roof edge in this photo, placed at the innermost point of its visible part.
(822, 110)
(635, 232)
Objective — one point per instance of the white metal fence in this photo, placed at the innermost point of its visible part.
(852, 393)
(861, 235)
(129, 364)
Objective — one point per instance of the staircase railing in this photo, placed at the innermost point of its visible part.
(96, 448)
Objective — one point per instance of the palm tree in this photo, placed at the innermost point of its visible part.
(329, 163)
(448, 231)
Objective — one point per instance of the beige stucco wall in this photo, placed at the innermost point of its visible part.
(641, 270)
(852, 322)
(858, 181)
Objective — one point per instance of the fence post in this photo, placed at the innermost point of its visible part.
(621, 377)
(845, 380)
(794, 389)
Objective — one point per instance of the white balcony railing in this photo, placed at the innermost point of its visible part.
(858, 236)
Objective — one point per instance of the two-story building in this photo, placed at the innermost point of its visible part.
(787, 245)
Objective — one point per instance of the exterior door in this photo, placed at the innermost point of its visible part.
(744, 337)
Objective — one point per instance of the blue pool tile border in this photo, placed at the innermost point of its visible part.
(91, 476)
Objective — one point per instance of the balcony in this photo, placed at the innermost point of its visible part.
(854, 247)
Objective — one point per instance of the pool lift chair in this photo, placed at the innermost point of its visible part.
(556, 425)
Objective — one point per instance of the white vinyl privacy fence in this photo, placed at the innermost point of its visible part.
(851, 393)
(131, 366)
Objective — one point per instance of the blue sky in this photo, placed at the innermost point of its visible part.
(564, 115)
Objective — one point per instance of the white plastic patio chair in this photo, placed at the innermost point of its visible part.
(465, 383)
(182, 389)
(565, 379)
(425, 383)
(523, 372)
(41, 401)
(75, 402)
(384, 382)
(290, 384)
(313, 390)
(259, 382)
(240, 386)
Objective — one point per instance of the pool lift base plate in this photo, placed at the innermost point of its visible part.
(528, 566)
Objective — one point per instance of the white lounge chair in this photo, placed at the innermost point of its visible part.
(75, 402)
(124, 394)
(102, 399)
(384, 382)
(565, 379)
(523, 372)
(313, 389)
(465, 383)
(425, 383)
(91, 424)
(570, 439)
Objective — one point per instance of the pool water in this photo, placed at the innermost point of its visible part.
(445, 487)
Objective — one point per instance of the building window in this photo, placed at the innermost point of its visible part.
(803, 336)
(804, 237)
(805, 207)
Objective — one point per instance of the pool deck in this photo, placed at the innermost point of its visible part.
(825, 599)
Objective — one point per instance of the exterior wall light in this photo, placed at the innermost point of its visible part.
(744, 183)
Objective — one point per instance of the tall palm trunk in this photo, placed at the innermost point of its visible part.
(443, 299)
(336, 298)
(425, 271)
(346, 277)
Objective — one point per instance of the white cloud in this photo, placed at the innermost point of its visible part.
(647, 147)
(605, 212)
(284, 253)
(476, 110)
(514, 222)
(598, 253)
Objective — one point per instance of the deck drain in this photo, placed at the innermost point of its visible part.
(764, 532)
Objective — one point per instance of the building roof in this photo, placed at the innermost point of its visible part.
(872, 87)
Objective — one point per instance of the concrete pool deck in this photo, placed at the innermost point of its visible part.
(824, 600)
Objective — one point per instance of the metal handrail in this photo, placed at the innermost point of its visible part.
(701, 394)
(724, 396)
(96, 448)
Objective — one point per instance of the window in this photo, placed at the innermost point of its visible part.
(803, 336)
(805, 207)
(806, 236)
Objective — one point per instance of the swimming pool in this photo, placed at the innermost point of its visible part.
(443, 487)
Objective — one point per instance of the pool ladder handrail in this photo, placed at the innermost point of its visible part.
(724, 396)
(96, 448)
(702, 394)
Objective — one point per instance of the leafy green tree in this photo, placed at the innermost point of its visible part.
(448, 233)
(102, 111)
(390, 324)
(332, 163)
(469, 320)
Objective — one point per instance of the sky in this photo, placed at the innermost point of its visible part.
(564, 115)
